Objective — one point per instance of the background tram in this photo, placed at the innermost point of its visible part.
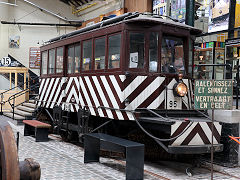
(129, 76)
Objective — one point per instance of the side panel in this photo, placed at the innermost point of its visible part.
(119, 92)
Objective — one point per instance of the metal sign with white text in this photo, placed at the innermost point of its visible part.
(213, 94)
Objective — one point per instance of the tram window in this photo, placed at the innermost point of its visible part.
(70, 64)
(172, 55)
(87, 55)
(77, 54)
(153, 52)
(114, 51)
(100, 53)
(136, 50)
(51, 61)
(44, 62)
(59, 63)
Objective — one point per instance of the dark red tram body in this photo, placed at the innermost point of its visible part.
(134, 68)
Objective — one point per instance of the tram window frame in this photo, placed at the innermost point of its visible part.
(92, 56)
(144, 53)
(62, 69)
(46, 63)
(183, 39)
(158, 48)
(105, 53)
(120, 51)
(53, 62)
(73, 68)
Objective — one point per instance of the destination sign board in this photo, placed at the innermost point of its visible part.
(213, 94)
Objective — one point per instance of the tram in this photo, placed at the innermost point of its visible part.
(124, 76)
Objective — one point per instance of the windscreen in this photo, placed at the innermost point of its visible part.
(172, 56)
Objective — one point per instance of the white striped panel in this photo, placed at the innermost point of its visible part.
(158, 101)
(196, 139)
(180, 139)
(117, 87)
(93, 94)
(41, 85)
(77, 83)
(44, 89)
(53, 91)
(218, 126)
(130, 116)
(111, 96)
(74, 93)
(133, 85)
(68, 84)
(87, 97)
(208, 132)
(122, 77)
(190, 93)
(48, 91)
(57, 93)
(102, 96)
(145, 94)
(62, 93)
(185, 98)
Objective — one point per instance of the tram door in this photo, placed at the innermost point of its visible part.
(13, 80)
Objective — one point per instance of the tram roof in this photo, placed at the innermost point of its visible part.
(162, 20)
(129, 18)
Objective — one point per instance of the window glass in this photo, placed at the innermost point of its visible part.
(172, 55)
(153, 52)
(114, 46)
(136, 50)
(70, 64)
(77, 58)
(51, 62)
(100, 53)
(59, 63)
(87, 55)
(44, 62)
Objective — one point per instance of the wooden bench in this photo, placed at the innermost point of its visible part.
(36, 128)
(134, 152)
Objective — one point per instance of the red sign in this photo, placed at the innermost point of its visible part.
(34, 58)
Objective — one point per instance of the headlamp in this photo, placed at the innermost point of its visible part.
(180, 89)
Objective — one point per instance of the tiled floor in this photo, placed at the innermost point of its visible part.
(60, 160)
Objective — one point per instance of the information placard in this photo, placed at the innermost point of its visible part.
(34, 57)
(213, 94)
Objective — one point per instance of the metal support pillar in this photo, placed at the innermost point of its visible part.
(190, 10)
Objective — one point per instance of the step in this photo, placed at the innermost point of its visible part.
(17, 117)
(31, 105)
(22, 113)
(26, 109)
(31, 101)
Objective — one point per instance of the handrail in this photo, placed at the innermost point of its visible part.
(14, 96)
(19, 85)
(2, 94)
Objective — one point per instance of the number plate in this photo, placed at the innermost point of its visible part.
(172, 101)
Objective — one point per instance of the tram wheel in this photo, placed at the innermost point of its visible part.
(9, 157)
